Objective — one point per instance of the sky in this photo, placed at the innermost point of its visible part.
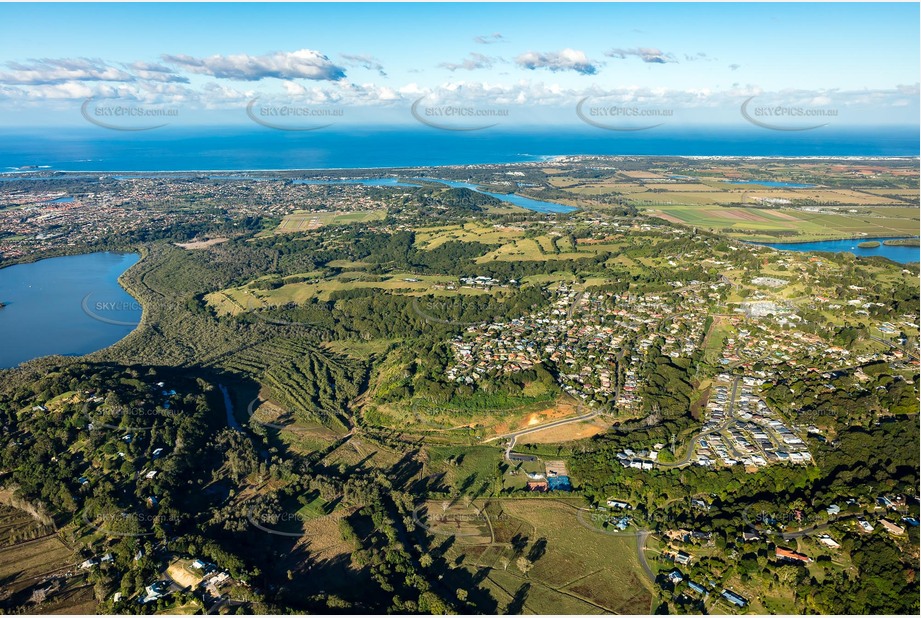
(464, 66)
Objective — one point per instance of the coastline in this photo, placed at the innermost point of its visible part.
(46, 172)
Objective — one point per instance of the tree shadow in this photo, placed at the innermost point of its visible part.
(517, 603)
(518, 543)
(538, 550)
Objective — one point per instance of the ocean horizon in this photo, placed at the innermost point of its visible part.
(173, 149)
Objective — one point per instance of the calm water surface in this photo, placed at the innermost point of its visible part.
(902, 255)
(70, 305)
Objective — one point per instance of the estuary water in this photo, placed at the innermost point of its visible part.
(902, 255)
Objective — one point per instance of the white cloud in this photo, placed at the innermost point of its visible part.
(366, 62)
(524, 95)
(565, 60)
(489, 39)
(301, 64)
(156, 73)
(650, 55)
(60, 70)
(472, 62)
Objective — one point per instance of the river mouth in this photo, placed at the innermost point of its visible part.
(71, 305)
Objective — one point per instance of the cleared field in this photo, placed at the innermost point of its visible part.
(318, 559)
(862, 198)
(430, 238)
(903, 193)
(687, 194)
(17, 526)
(486, 422)
(566, 433)
(26, 564)
(693, 187)
(713, 343)
(599, 189)
(566, 567)
(234, 301)
(545, 243)
(897, 212)
(640, 174)
(347, 264)
(611, 187)
(544, 248)
(467, 469)
(523, 249)
(563, 181)
(847, 200)
(532, 249)
(759, 223)
(182, 573)
(201, 244)
(465, 520)
(678, 198)
(298, 436)
(31, 559)
(305, 220)
(356, 452)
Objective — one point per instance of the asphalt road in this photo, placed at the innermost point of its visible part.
(641, 554)
(892, 345)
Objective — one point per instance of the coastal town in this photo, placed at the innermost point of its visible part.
(481, 309)
(354, 362)
(93, 209)
(598, 340)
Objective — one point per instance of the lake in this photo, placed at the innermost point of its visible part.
(70, 305)
(902, 255)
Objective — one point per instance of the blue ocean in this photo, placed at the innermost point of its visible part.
(258, 148)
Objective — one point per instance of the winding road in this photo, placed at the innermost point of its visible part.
(692, 447)
(641, 553)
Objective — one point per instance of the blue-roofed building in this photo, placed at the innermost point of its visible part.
(697, 587)
(559, 483)
(734, 598)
